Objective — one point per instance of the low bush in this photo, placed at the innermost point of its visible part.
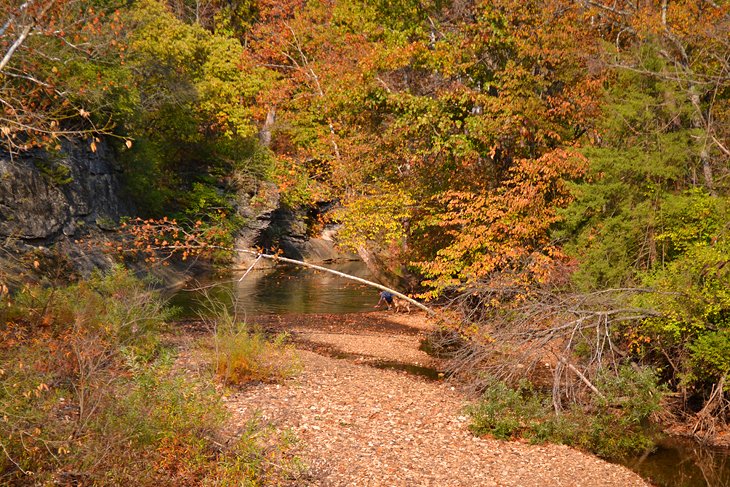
(612, 426)
(244, 353)
(505, 412)
(88, 395)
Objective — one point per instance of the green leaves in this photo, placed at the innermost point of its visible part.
(193, 116)
(376, 216)
(188, 68)
(711, 356)
(643, 219)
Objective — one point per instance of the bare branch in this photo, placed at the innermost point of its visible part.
(582, 377)
(21, 38)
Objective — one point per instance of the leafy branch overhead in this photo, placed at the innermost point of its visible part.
(53, 85)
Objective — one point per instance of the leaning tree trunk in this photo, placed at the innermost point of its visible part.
(259, 255)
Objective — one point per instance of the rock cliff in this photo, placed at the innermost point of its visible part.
(276, 227)
(48, 200)
(48, 196)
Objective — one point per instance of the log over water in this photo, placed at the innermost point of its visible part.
(259, 255)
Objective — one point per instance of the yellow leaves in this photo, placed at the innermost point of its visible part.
(378, 216)
(636, 340)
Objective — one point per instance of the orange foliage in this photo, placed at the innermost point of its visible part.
(502, 237)
(45, 95)
(159, 240)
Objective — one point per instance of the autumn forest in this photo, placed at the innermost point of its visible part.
(552, 176)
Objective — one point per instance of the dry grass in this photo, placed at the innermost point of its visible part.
(243, 354)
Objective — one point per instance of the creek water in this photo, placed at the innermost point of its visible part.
(294, 290)
(683, 463)
(283, 290)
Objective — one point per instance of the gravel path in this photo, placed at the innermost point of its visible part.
(363, 426)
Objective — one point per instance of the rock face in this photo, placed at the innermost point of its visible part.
(272, 226)
(46, 196)
(255, 204)
(289, 232)
(49, 199)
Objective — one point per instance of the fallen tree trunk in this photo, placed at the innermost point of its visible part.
(259, 255)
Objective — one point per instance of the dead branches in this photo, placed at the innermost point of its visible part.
(708, 419)
(558, 340)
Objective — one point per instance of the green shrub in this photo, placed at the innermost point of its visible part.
(613, 426)
(504, 412)
(693, 305)
(117, 311)
(710, 357)
(631, 393)
(603, 433)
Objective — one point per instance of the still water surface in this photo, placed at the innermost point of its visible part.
(285, 289)
(684, 463)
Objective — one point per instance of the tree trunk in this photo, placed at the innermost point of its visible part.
(265, 134)
(699, 122)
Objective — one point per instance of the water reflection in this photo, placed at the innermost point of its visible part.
(684, 463)
(284, 290)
